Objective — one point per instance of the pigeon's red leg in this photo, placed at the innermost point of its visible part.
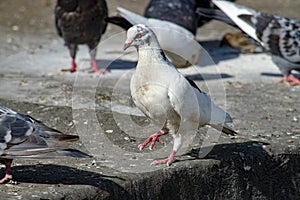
(95, 68)
(169, 160)
(153, 138)
(72, 69)
(8, 175)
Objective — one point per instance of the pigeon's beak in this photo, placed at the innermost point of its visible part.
(127, 44)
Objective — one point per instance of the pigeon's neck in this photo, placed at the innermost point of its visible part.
(148, 55)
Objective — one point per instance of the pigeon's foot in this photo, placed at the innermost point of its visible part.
(72, 69)
(153, 138)
(96, 69)
(291, 80)
(169, 160)
(6, 178)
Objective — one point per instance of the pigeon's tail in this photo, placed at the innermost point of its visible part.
(73, 153)
(47, 132)
(216, 14)
(119, 21)
(224, 128)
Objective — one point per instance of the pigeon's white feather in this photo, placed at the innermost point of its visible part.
(165, 95)
(178, 43)
(132, 17)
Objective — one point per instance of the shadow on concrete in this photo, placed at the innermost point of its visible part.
(208, 76)
(218, 53)
(58, 174)
(254, 172)
(271, 74)
(116, 64)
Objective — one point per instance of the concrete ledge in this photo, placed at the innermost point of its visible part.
(232, 170)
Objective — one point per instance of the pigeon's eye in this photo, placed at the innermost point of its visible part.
(138, 35)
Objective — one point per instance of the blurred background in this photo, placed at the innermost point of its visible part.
(29, 24)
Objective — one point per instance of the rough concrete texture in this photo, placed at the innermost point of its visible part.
(260, 163)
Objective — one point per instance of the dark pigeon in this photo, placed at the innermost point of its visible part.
(24, 137)
(81, 22)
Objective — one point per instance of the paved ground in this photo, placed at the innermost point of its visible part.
(100, 110)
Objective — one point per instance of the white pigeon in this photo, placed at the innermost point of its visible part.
(278, 35)
(179, 44)
(23, 137)
(165, 96)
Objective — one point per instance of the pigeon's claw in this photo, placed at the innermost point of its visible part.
(153, 139)
(96, 69)
(6, 178)
(169, 160)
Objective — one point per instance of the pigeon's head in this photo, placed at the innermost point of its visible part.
(139, 35)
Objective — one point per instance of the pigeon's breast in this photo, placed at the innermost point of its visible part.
(152, 99)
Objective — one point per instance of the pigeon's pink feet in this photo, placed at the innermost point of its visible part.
(7, 176)
(291, 80)
(169, 160)
(153, 138)
(95, 68)
(72, 69)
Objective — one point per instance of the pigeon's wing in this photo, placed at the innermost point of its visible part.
(280, 35)
(215, 114)
(23, 136)
(199, 105)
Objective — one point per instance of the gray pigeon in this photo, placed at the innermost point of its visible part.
(180, 12)
(81, 22)
(166, 97)
(278, 35)
(23, 137)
